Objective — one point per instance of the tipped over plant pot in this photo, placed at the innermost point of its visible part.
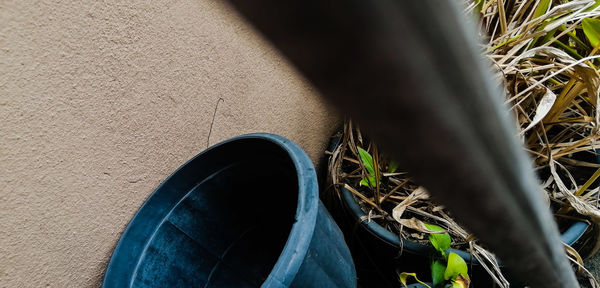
(244, 213)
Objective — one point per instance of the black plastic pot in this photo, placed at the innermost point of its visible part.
(244, 213)
(380, 254)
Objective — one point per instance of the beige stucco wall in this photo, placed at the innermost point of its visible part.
(101, 100)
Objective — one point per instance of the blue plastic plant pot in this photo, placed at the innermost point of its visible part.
(244, 213)
(380, 254)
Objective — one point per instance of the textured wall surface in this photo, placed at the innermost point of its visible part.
(101, 100)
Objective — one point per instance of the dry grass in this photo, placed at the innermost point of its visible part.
(549, 69)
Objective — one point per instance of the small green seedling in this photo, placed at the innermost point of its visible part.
(367, 161)
(404, 276)
(591, 29)
(450, 272)
(440, 241)
(456, 271)
(393, 166)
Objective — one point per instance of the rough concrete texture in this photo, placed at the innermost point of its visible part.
(101, 100)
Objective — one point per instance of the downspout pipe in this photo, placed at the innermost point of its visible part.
(412, 75)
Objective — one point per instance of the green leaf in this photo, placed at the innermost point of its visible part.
(456, 265)
(393, 166)
(440, 242)
(541, 9)
(593, 7)
(546, 38)
(404, 276)
(591, 29)
(437, 272)
(368, 181)
(367, 160)
(479, 4)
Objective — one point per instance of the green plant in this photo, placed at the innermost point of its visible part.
(366, 159)
(367, 162)
(449, 271)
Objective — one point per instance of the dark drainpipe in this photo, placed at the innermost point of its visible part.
(412, 74)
